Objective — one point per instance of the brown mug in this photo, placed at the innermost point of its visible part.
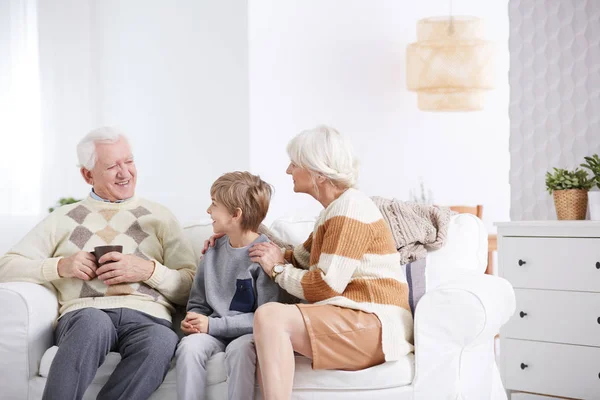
(99, 251)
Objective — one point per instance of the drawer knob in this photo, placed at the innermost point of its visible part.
(521, 263)
(598, 265)
(523, 314)
(523, 366)
(598, 320)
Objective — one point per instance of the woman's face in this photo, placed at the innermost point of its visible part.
(303, 180)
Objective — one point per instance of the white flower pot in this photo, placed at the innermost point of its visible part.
(594, 205)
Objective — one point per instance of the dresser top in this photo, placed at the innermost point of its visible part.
(549, 228)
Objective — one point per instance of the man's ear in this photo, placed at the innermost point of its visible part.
(87, 176)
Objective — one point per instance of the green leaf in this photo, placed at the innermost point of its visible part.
(562, 179)
(63, 201)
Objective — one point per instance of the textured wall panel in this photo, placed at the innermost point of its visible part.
(554, 95)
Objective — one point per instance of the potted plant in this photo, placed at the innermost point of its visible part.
(570, 191)
(593, 164)
(63, 201)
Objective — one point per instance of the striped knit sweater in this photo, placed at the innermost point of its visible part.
(350, 260)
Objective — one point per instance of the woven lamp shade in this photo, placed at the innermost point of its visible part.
(450, 66)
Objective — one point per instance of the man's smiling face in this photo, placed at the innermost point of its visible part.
(114, 174)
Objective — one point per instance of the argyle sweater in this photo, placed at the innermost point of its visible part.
(143, 228)
(350, 260)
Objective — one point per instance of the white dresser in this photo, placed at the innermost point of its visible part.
(551, 345)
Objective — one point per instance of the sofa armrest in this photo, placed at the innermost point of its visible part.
(455, 326)
(27, 315)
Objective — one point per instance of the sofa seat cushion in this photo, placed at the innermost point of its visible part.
(215, 367)
(388, 375)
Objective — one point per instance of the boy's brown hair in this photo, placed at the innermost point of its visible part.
(245, 191)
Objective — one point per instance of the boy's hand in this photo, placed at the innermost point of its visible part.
(211, 241)
(187, 328)
(196, 322)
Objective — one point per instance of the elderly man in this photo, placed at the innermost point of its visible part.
(124, 305)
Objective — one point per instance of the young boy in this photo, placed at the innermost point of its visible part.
(227, 290)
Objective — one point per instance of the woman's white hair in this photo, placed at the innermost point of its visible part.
(323, 150)
(86, 148)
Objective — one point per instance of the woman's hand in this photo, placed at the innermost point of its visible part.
(267, 255)
(211, 241)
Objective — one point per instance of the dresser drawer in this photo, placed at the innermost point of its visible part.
(531, 396)
(555, 316)
(548, 368)
(551, 263)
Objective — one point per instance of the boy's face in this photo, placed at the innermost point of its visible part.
(223, 221)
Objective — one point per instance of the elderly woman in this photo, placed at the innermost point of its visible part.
(348, 271)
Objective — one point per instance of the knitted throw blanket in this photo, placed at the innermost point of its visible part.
(263, 230)
(416, 228)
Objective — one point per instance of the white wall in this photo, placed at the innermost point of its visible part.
(174, 76)
(342, 62)
(175, 79)
(554, 97)
(69, 99)
(205, 87)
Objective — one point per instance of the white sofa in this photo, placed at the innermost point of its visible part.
(455, 324)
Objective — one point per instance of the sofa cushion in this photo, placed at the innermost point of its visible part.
(197, 233)
(460, 252)
(387, 375)
(293, 230)
(289, 230)
(465, 249)
(215, 367)
(390, 374)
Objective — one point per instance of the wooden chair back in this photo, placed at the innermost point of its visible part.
(475, 210)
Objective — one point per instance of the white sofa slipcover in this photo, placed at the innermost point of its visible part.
(455, 324)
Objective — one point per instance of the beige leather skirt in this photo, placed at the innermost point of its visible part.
(342, 338)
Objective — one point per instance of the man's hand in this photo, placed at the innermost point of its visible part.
(81, 265)
(194, 323)
(211, 241)
(123, 268)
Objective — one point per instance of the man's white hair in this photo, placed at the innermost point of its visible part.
(323, 150)
(86, 148)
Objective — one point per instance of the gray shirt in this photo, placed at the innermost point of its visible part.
(229, 287)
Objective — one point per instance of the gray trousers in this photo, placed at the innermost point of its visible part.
(193, 353)
(84, 337)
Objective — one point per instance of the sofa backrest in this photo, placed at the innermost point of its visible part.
(465, 248)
